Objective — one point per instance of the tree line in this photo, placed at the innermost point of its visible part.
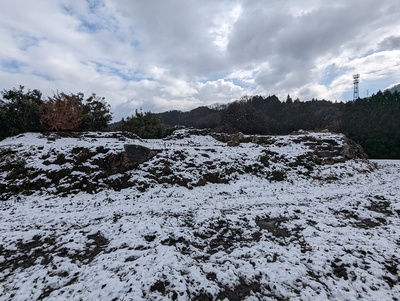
(373, 122)
(27, 111)
(261, 115)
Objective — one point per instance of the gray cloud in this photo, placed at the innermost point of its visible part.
(178, 33)
(293, 44)
(161, 55)
(390, 43)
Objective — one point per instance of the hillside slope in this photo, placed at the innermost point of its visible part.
(197, 216)
(394, 87)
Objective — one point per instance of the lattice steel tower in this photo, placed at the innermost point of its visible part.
(356, 81)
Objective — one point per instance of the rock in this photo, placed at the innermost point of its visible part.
(136, 154)
(235, 139)
(329, 152)
(299, 132)
(352, 150)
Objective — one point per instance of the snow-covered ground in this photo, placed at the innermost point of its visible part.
(199, 221)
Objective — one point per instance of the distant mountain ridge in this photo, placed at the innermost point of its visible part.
(393, 88)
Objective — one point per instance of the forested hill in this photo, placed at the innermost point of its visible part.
(373, 122)
(259, 115)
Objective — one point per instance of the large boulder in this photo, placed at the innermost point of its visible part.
(136, 154)
(352, 150)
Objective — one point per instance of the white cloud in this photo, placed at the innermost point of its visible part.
(219, 91)
(223, 25)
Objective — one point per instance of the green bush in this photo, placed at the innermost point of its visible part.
(278, 175)
(146, 126)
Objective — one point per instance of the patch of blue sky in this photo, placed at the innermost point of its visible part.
(225, 76)
(369, 52)
(12, 66)
(134, 43)
(94, 5)
(330, 73)
(367, 88)
(27, 42)
(120, 70)
(135, 76)
(364, 54)
(68, 9)
(44, 76)
(373, 86)
(100, 19)
(243, 84)
(88, 22)
(89, 27)
(215, 77)
(347, 96)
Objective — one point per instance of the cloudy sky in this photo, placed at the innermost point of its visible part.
(160, 55)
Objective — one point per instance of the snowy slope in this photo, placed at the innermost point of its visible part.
(269, 218)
